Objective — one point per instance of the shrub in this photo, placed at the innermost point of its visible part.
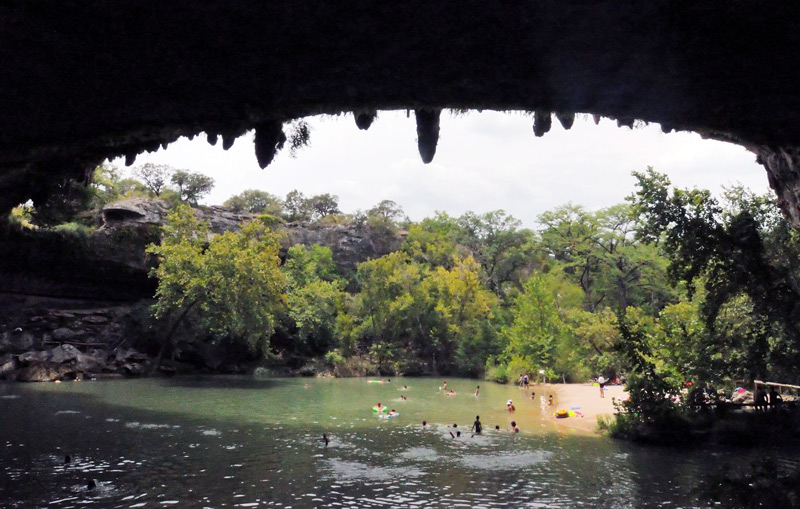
(74, 229)
(497, 373)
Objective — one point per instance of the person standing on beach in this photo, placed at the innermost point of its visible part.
(601, 381)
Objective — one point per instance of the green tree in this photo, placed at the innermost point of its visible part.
(434, 241)
(323, 205)
(191, 185)
(601, 253)
(226, 286)
(455, 336)
(314, 297)
(503, 250)
(255, 201)
(539, 322)
(154, 176)
(297, 206)
(724, 249)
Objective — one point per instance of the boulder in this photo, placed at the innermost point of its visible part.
(63, 333)
(41, 373)
(125, 356)
(96, 319)
(7, 365)
(20, 341)
(133, 368)
(33, 357)
(135, 210)
(64, 353)
(91, 362)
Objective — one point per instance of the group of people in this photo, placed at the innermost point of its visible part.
(762, 399)
(476, 429)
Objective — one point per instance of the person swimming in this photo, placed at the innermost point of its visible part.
(514, 427)
(477, 426)
(425, 424)
(451, 392)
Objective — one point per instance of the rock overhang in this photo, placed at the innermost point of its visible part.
(94, 79)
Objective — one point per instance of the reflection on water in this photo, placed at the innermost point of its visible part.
(237, 442)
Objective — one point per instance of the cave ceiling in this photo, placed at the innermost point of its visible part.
(87, 80)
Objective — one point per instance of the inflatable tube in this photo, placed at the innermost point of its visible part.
(561, 414)
(382, 410)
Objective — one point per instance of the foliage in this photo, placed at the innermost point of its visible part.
(651, 406)
(297, 207)
(74, 229)
(314, 298)
(323, 205)
(59, 201)
(155, 177)
(600, 252)
(732, 249)
(255, 201)
(539, 323)
(500, 247)
(191, 185)
(230, 284)
(299, 136)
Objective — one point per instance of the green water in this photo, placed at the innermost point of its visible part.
(241, 442)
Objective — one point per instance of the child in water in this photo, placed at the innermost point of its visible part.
(514, 427)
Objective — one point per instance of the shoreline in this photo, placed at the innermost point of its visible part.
(587, 397)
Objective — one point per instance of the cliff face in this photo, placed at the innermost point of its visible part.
(59, 290)
(83, 82)
(41, 270)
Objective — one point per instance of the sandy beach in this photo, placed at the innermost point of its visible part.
(587, 397)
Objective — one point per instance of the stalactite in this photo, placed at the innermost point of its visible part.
(130, 158)
(268, 140)
(542, 122)
(227, 140)
(566, 119)
(212, 138)
(427, 132)
(364, 118)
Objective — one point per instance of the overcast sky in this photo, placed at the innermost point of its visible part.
(484, 161)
